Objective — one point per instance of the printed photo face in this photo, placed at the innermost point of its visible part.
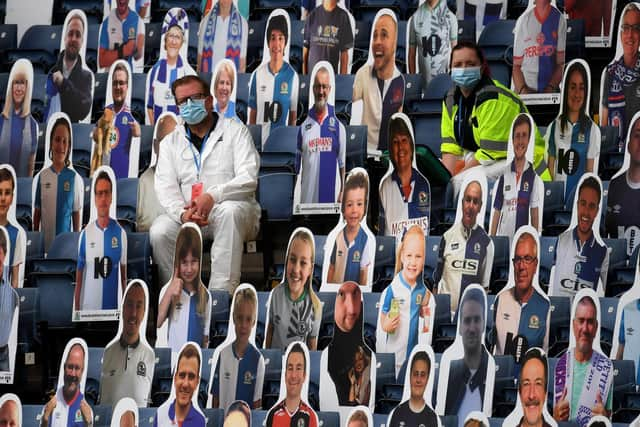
(525, 263)
(72, 371)
(419, 378)
(633, 146)
(588, 208)
(630, 32)
(10, 414)
(472, 324)
(585, 324)
(73, 41)
(348, 306)
(299, 264)
(384, 42)
(532, 390)
(521, 134)
(186, 379)
(133, 313)
(471, 204)
(295, 374)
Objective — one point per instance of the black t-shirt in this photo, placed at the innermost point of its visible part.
(403, 416)
(326, 34)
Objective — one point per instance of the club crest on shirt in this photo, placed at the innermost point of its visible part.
(301, 422)
(114, 242)
(476, 248)
(66, 186)
(419, 299)
(525, 186)
(534, 322)
(422, 197)
(141, 369)
(507, 187)
(577, 268)
(356, 256)
(78, 416)
(234, 29)
(284, 88)
(248, 378)
(132, 33)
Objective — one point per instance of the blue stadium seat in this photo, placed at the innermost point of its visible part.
(23, 202)
(553, 201)
(385, 374)
(624, 380)
(272, 371)
(402, 47)
(255, 42)
(428, 127)
(192, 7)
(360, 44)
(219, 317)
(256, 135)
(35, 250)
(242, 102)
(412, 88)
(162, 378)
(93, 9)
(127, 203)
(82, 145)
(496, 38)
(327, 325)
(139, 257)
(59, 288)
(99, 95)
(618, 253)
(466, 30)
(91, 57)
(146, 416)
(495, 422)
(101, 415)
(31, 414)
(277, 205)
(449, 421)
(4, 81)
(261, 324)
(356, 147)
(559, 325)
(343, 93)
(385, 264)
(138, 102)
(314, 379)
(608, 310)
(40, 44)
(431, 102)
(445, 329)
(213, 416)
(621, 278)
(28, 319)
(39, 97)
(547, 258)
(303, 96)
(62, 256)
(192, 51)
(328, 418)
(319, 241)
(370, 301)
(575, 47)
(94, 374)
(146, 147)
(153, 35)
(491, 315)
(295, 49)
(258, 417)
(504, 399)
(501, 263)
(8, 41)
(431, 257)
(279, 151)
(380, 420)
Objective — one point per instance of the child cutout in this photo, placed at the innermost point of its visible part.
(347, 365)
(10, 410)
(406, 305)
(125, 413)
(129, 361)
(360, 416)
(58, 190)
(237, 371)
(518, 194)
(181, 408)
(16, 234)
(521, 310)
(292, 408)
(626, 341)
(238, 415)
(531, 406)
(184, 311)
(405, 194)
(321, 148)
(467, 369)
(9, 313)
(582, 257)
(350, 248)
(295, 312)
(101, 274)
(573, 138)
(415, 408)
(68, 406)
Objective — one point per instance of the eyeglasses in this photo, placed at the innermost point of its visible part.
(630, 27)
(527, 259)
(195, 97)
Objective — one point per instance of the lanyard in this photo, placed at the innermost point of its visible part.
(197, 157)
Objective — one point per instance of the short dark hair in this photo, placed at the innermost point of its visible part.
(537, 354)
(588, 300)
(61, 121)
(353, 181)
(103, 175)
(421, 355)
(297, 348)
(591, 182)
(204, 86)
(121, 67)
(279, 23)
(6, 175)
(464, 44)
(242, 407)
(521, 119)
(188, 352)
(476, 295)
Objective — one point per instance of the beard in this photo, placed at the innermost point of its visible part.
(320, 104)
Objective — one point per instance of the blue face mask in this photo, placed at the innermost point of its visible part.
(193, 112)
(468, 77)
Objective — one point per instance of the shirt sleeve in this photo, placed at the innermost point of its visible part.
(207, 319)
(294, 93)
(82, 253)
(245, 39)
(20, 247)
(34, 135)
(621, 337)
(535, 194)
(359, 83)
(346, 42)
(386, 299)
(343, 146)
(307, 25)
(413, 40)
(453, 26)
(78, 193)
(604, 269)
(562, 35)
(368, 253)
(486, 266)
(123, 257)
(37, 201)
(550, 137)
(518, 39)
(104, 34)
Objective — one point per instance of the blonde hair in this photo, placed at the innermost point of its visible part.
(227, 68)
(245, 296)
(305, 236)
(413, 229)
(20, 68)
(188, 242)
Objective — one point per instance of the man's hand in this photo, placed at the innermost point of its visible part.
(390, 325)
(48, 410)
(85, 410)
(561, 408)
(599, 408)
(203, 205)
(58, 78)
